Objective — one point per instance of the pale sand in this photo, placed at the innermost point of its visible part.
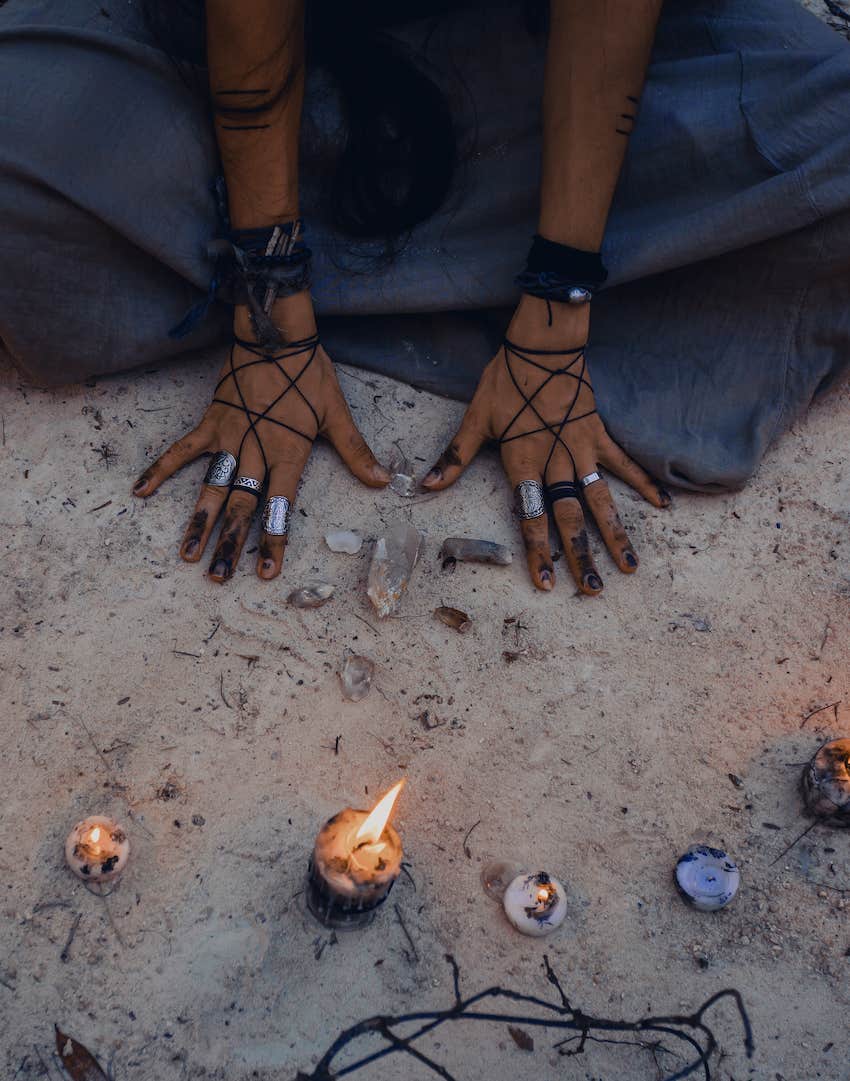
(618, 703)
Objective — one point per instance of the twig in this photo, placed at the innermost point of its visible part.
(787, 849)
(210, 637)
(112, 922)
(820, 709)
(366, 621)
(336, 744)
(466, 850)
(72, 934)
(221, 691)
(690, 1029)
(403, 926)
(108, 503)
(183, 653)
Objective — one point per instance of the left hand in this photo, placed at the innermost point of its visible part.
(498, 411)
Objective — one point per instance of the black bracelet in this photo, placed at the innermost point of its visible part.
(560, 273)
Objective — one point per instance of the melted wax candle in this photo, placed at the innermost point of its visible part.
(356, 860)
(97, 849)
(535, 903)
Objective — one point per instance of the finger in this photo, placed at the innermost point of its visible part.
(570, 522)
(613, 457)
(182, 452)
(206, 513)
(283, 480)
(535, 531)
(474, 429)
(239, 512)
(598, 497)
(340, 429)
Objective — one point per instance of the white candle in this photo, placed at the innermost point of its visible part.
(535, 903)
(97, 849)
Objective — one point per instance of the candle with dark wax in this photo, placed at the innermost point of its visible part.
(355, 862)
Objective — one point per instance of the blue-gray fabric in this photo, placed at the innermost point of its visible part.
(728, 243)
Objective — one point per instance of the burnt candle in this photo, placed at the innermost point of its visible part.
(97, 849)
(356, 860)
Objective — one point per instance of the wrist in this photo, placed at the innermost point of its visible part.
(292, 315)
(530, 326)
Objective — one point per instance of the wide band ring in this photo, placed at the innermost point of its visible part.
(528, 500)
(248, 484)
(589, 478)
(276, 516)
(221, 470)
(562, 489)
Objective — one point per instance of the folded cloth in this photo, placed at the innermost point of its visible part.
(726, 308)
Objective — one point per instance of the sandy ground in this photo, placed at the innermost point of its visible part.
(205, 717)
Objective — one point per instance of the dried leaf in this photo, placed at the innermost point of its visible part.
(79, 1063)
(521, 1038)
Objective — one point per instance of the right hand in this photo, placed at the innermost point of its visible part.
(225, 428)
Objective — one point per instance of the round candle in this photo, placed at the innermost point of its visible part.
(707, 878)
(535, 903)
(97, 849)
(356, 860)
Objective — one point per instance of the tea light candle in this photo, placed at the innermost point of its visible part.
(97, 849)
(355, 862)
(707, 878)
(535, 903)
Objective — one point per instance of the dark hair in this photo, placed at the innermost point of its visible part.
(400, 150)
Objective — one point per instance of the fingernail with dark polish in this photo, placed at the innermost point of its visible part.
(191, 548)
(665, 496)
(546, 578)
(630, 559)
(268, 565)
(434, 475)
(593, 582)
(220, 569)
(140, 486)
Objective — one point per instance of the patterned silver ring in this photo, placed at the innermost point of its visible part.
(221, 469)
(248, 484)
(589, 478)
(276, 516)
(529, 500)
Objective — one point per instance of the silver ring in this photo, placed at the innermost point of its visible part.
(529, 501)
(589, 478)
(221, 469)
(248, 484)
(276, 516)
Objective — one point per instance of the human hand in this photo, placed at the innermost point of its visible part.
(536, 399)
(267, 411)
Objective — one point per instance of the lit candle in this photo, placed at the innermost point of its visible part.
(97, 849)
(535, 903)
(355, 862)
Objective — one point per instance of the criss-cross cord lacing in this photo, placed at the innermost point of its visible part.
(292, 349)
(527, 355)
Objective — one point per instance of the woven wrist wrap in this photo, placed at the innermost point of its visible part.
(560, 273)
(253, 267)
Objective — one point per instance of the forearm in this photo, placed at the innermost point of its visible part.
(255, 52)
(596, 62)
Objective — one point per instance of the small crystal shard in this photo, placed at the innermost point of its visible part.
(311, 595)
(393, 560)
(356, 677)
(454, 618)
(402, 481)
(344, 540)
(469, 550)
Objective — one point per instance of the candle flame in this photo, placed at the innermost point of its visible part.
(543, 894)
(95, 834)
(373, 826)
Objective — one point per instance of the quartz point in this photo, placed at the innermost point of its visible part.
(344, 540)
(393, 559)
(402, 480)
(356, 677)
(311, 595)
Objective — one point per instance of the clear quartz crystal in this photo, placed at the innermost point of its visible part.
(311, 595)
(393, 559)
(402, 480)
(498, 875)
(344, 540)
(356, 677)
